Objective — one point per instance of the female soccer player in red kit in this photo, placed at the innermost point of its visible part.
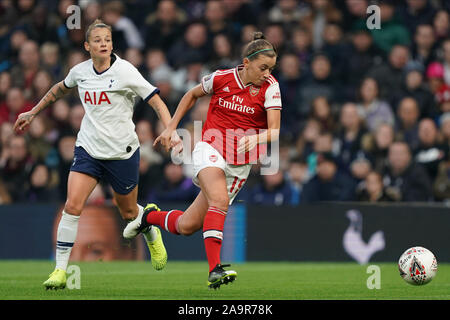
(244, 114)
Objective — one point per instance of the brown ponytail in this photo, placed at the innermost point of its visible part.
(258, 35)
(259, 45)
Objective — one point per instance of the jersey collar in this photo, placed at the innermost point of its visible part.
(113, 59)
(238, 78)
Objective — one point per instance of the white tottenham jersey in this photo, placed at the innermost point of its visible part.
(107, 130)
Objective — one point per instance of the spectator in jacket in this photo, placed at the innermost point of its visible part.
(175, 187)
(424, 48)
(194, 43)
(430, 151)
(164, 26)
(15, 166)
(392, 32)
(390, 75)
(373, 109)
(415, 12)
(319, 83)
(39, 188)
(14, 105)
(113, 14)
(276, 190)
(373, 190)
(350, 134)
(289, 79)
(404, 178)
(329, 184)
(377, 144)
(415, 87)
(361, 56)
(407, 123)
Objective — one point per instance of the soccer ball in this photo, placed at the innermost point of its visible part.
(417, 266)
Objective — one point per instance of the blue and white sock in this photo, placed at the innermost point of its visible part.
(67, 232)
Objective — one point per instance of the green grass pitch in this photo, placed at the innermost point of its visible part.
(22, 280)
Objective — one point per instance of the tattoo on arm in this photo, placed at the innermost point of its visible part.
(60, 92)
(52, 95)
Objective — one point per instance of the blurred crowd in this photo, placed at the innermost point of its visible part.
(366, 112)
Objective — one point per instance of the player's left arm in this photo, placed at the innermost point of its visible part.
(160, 108)
(273, 127)
(164, 115)
(137, 83)
(272, 133)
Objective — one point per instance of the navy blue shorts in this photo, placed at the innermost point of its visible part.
(122, 175)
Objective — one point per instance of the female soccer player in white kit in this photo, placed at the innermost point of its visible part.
(107, 145)
(244, 114)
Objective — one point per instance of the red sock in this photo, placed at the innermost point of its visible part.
(165, 219)
(213, 235)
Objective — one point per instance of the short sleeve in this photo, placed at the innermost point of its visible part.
(70, 81)
(207, 83)
(140, 85)
(273, 97)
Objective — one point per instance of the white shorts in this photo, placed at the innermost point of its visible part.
(204, 156)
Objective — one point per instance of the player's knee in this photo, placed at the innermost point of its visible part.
(220, 202)
(73, 207)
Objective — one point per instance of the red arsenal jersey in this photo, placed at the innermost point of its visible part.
(236, 110)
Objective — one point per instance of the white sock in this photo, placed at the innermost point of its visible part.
(151, 234)
(67, 232)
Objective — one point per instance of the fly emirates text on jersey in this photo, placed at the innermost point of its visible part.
(236, 104)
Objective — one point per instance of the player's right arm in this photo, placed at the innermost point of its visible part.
(56, 92)
(185, 104)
